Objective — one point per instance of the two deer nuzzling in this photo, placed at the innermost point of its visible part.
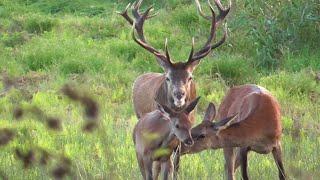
(250, 114)
(156, 136)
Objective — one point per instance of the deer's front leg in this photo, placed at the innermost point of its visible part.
(167, 168)
(147, 162)
(176, 162)
(156, 169)
(229, 156)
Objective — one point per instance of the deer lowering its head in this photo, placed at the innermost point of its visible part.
(251, 121)
(158, 133)
(175, 88)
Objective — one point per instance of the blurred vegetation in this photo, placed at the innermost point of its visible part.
(273, 43)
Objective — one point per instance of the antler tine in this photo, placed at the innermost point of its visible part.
(222, 12)
(205, 50)
(167, 51)
(192, 50)
(200, 10)
(125, 14)
(135, 9)
(213, 27)
(153, 15)
(215, 21)
(140, 22)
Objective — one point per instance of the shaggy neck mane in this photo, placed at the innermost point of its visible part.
(162, 95)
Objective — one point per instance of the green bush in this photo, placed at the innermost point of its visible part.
(39, 24)
(276, 27)
(13, 39)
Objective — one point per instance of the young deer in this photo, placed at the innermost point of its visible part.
(253, 123)
(157, 134)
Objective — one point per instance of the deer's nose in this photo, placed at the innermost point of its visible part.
(179, 95)
(188, 142)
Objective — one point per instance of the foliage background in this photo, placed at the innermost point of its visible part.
(47, 43)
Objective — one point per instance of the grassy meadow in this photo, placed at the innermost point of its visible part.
(45, 44)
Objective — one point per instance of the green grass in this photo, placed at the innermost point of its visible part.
(47, 43)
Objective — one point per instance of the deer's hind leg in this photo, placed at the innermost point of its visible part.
(277, 155)
(244, 162)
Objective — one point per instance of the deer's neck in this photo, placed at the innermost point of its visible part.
(163, 95)
(223, 140)
(212, 142)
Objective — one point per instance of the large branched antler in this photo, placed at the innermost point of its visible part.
(139, 18)
(215, 22)
(137, 23)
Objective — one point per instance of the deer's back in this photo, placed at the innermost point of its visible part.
(258, 114)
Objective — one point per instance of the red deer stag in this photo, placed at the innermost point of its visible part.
(253, 123)
(175, 87)
(157, 134)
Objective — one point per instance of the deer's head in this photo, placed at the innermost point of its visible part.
(178, 75)
(206, 133)
(179, 121)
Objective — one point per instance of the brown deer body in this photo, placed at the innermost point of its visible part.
(253, 123)
(157, 134)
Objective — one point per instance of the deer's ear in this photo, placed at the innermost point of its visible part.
(225, 123)
(192, 105)
(210, 113)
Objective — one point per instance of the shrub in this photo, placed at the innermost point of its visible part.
(13, 39)
(38, 24)
(275, 27)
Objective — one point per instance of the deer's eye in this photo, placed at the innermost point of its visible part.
(167, 79)
(177, 126)
(190, 78)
